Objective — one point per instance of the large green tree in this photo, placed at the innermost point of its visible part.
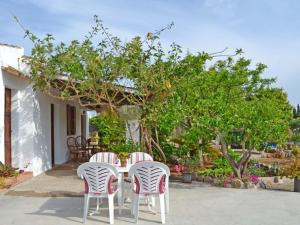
(101, 71)
(229, 96)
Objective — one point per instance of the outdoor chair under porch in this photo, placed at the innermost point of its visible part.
(77, 153)
(83, 144)
(99, 183)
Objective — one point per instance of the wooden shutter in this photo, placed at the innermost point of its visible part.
(71, 120)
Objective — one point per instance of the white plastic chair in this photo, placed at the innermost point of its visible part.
(98, 180)
(105, 157)
(110, 158)
(135, 157)
(150, 179)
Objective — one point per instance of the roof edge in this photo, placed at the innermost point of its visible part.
(13, 71)
(10, 45)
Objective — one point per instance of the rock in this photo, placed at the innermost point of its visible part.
(228, 186)
(236, 183)
(216, 182)
(269, 184)
(251, 186)
(200, 178)
(262, 185)
(208, 179)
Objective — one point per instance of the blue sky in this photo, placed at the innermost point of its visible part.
(267, 30)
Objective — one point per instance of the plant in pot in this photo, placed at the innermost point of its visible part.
(124, 149)
(189, 167)
(123, 156)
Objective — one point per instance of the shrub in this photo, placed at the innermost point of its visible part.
(213, 153)
(110, 127)
(1, 182)
(221, 167)
(7, 171)
(217, 172)
(256, 169)
(295, 150)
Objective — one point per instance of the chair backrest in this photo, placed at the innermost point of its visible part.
(98, 177)
(149, 177)
(138, 157)
(104, 157)
(72, 144)
(81, 141)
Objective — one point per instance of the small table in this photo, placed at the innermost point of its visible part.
(121, 171)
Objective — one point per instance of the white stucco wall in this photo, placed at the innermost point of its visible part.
(31, 127)
(31, 121)
(8, 56)
(1, 118)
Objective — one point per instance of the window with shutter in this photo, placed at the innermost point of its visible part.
(71, 120)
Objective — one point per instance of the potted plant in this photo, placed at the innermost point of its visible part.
(123, 150)
(123, 156)
(189, 166)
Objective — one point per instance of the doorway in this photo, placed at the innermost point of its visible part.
(52, 136)
(7, 126)
(83, 124)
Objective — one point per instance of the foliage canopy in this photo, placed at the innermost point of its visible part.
(207, 98)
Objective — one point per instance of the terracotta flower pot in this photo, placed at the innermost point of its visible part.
(123, 163)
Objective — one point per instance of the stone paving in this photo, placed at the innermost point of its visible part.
(56, 198)
(62, 181)
(189, 204)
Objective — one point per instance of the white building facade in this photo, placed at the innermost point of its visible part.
(33, 126)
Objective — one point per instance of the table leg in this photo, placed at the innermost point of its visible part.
(121, 190)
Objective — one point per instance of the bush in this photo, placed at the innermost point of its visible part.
(173, 152)
(110, 127)
(295, 150)
(213, 153)
(7, 171)
(1, 182)
(221, 162)
(125, 147)
(221, 167)
(255, 169)
(217, 172)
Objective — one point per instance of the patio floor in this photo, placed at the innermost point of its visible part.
(198, 203)
(62, 181)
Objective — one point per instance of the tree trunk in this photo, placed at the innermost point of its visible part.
(160, 151)
(236, 168)
(237, 172)
(200, 155)
(145, 140)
